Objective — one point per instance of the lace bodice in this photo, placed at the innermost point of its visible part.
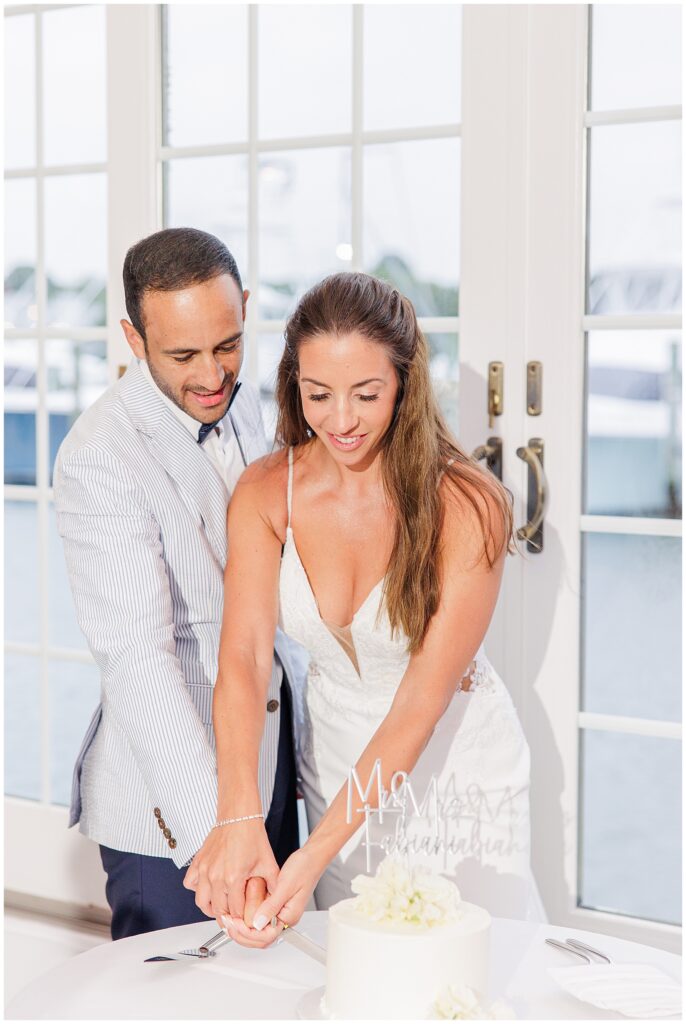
(382, 657)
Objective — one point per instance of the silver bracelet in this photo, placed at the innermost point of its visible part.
(232, 821)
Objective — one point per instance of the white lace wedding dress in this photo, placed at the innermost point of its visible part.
(477, 752)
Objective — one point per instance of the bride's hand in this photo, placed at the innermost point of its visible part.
(222, 866)
(287, 901)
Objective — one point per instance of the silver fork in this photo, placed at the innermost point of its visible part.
(208, 948)
(579, 949)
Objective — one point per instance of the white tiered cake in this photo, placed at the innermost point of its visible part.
(406, 938)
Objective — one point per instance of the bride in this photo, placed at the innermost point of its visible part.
(372, 539)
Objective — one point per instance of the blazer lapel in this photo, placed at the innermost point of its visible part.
(197, 483)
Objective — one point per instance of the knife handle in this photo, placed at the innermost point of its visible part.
(213, 944)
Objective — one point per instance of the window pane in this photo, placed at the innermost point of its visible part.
(76, 249)
(74, 73)
(445, 369)
(206, 74)
(20, 93)
(305, 69)
(631, 608)
(630, 859)
(22, 611)
(305, 223)
(22, 726)
(20, 253)
(636, 55)
(77, 376)
(74, 696)
(412, 221)
(407, 83)
(21, 403)
(633, 426)
(211, 193)
(635, 219)
(269, 350)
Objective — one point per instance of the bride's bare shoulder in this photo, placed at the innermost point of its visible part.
(262, 486)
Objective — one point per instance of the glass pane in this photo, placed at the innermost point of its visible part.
(206, 74)
(20, 93)
(445, 372)
(74, 696)
(407, 85)
(76, 249)
(633, 424)
(211, 193)
(630, 855)
(22, 606)
(634, 256)
(269, 350)
(631, 608)
(635, 55)
(412, 221)
(22, 726)
(77, 376)
(74, 76)
(21, 404)
(305, 69)
(20, 252)
(305, 223)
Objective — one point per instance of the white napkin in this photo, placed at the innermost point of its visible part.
(636, 990)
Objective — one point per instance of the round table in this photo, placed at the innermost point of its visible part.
(111, 981)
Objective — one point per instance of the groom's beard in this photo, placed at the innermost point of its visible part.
(209, 415)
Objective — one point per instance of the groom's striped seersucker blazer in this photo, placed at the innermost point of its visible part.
(142, 513)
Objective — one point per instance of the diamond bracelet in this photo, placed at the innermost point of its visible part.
(232, 821)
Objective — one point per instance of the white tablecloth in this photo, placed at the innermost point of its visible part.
(112, 982)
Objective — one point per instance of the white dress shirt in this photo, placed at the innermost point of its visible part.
(220, 445)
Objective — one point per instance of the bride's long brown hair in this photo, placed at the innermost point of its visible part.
(418, 447)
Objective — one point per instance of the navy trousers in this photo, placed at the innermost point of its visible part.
(147, 893)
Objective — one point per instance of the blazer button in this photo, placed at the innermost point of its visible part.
(172, 844)
(167, 833)
(161, 822)
(157, 812)
(272, 705)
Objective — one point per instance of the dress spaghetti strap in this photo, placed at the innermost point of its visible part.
(289, 493)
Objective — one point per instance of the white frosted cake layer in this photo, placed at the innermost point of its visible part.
(397, 971)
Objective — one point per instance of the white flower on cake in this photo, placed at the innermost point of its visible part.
(399, 893)
(459, 1002)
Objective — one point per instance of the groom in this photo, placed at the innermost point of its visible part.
(142, 484)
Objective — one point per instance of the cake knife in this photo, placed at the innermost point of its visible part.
(301, 942)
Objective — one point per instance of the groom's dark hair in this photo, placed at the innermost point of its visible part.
(172, 259)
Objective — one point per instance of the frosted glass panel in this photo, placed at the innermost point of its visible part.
(22, 726)
(206, 73)
(77, 376)
(76, 249)
(635, 218)
(305, 69)
(412, 65)
(269, 351)
(20, 93)
(412, 221)
(74, 77)
(445, 370)
(22, 611)
(305, 223)
(74, 696)
(21, 403)
(20, 253)
(630, 853)
(635, 55)
(633, 423)
(632, 625)
(211, 193)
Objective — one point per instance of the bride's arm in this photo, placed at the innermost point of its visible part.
(468, 597)
(232, 854)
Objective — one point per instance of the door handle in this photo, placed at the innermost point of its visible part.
(492, 452)
(537, 495)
